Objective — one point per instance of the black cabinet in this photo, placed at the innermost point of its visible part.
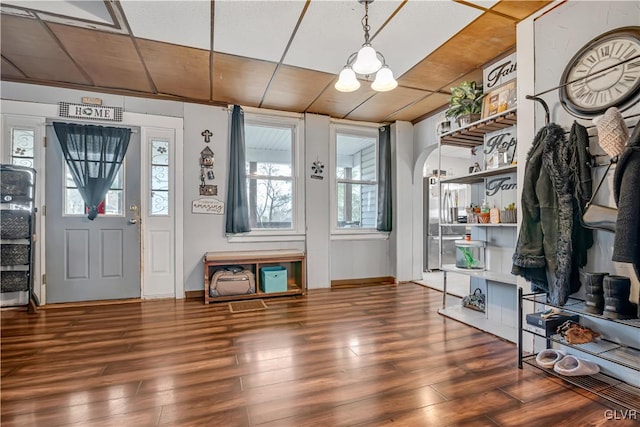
(17, 229)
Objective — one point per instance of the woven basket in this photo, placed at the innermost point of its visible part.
(14, 281)
(14, 254)
(508, 216)
(14, 224)
(15, 183)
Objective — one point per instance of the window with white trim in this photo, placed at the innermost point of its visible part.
(272, 153)
(356, 184)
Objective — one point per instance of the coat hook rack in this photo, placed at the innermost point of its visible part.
(544, 105)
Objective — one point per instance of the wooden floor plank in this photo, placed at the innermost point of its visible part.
(334, 357)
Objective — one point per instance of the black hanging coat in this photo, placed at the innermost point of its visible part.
(549, 208)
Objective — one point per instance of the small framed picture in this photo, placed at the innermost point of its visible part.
(499, 99)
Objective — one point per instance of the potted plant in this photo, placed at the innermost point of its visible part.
(466, 103)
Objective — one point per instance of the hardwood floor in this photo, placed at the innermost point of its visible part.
(369, 356)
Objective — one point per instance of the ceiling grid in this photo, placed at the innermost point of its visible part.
(281, 55)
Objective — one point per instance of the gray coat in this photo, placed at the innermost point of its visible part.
(626, 189)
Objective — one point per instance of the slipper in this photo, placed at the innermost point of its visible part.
(548, 358)
(571, 366)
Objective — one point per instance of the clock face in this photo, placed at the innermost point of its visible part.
(604, 73)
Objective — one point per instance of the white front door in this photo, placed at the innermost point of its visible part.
(92, 260)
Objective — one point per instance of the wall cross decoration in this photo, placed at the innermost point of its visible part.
(207, 135)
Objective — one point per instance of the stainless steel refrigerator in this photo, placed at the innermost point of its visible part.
(432, 228)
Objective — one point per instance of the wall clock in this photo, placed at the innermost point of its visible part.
(604, 73)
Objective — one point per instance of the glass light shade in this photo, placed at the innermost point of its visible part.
(347, 82)
(384, 80)
(367, 61)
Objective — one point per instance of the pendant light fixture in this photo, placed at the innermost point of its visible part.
(366, 62)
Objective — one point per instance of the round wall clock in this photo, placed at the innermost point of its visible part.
(604, 73)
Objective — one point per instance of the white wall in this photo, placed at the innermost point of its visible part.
(559, 34)
(553, 39)
(401, 239)
(317, 206)
(352, 259)
(203, 232)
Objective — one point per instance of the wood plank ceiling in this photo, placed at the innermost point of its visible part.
(282, 55)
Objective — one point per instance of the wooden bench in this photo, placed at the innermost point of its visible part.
(293, 260)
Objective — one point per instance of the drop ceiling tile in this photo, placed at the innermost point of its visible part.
(338, 104)
(110, 59)
(27, 43)
(185, 23)
(483, 3)
(475, 75)
(384, 104)
(255, 29)
(463, 53)
(519, 9)
(432, 102)
(239, 80)
(418, 29)
(332, 30)
(94, 11)
(8, 70)
(177, 70)
(293, 89)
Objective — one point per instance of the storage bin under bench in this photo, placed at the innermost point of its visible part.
(290, 259)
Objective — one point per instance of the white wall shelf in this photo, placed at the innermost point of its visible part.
(480, 321)
(495, 280)
(496, 276)
(476, 177)
(464, 224)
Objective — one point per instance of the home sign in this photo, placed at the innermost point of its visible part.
(90, 112)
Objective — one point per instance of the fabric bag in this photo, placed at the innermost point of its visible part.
(475, 301)
(600, 217)
(232, 282)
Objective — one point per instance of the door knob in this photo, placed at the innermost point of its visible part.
(136, 217)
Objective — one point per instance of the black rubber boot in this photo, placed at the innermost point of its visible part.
(594, 293)
(616, 296)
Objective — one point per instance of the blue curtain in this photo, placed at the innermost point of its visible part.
(384, 180)
(94, 155)
(237, 199)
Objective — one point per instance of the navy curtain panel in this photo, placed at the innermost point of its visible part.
(94, 155)
(237, 199)
(384, 180)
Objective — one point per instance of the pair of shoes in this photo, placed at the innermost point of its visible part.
(572, 366)
(549, 357)
(564, 364)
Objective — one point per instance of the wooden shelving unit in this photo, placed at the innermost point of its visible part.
(473, 134)
(292, 260)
